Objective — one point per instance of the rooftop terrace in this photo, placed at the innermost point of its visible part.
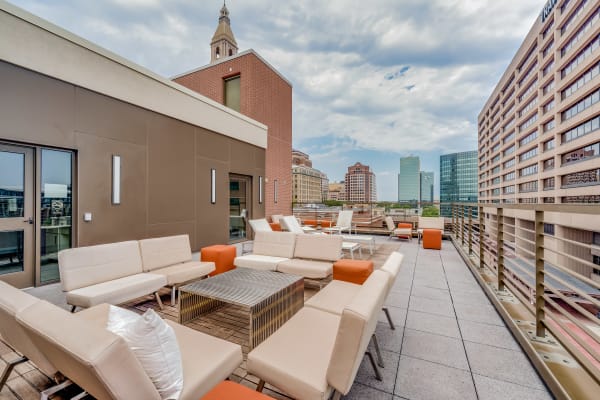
(449, 341)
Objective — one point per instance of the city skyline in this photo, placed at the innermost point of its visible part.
(420, 71)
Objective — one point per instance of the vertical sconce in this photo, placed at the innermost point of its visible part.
(275, 189)
(213, 186)
(116, 179)
(260, 190)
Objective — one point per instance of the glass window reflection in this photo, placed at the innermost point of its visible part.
(12, 182)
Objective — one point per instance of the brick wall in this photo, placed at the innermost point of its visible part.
(267, 98)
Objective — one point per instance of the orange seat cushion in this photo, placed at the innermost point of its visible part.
(326, 224)
(405, 225)
(432, 239)
(221, 254)
(353, 271)
(276, 226)
(311, 222)
(228, 390)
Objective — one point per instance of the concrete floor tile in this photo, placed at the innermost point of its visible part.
(470, 298)
(423, 380)
(478, 313)
(389, 339)
(398, 316)
(492, 335)
(438, 307)
(398, 299)
(435, 348)
(430, 282)
(362, 392)
(431, 293)
(493, 389)
(502, 364)
(432, 323)
(366, 374)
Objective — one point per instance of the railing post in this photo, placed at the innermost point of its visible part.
(500, 247)
(470, 211)
(462, 225)
(540, 315)
(453, 208)
(481, 239)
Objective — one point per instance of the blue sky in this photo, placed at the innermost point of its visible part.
(373, 80)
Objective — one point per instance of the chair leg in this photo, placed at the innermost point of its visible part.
(158, 300)
(336, 395)
(377, 351)
(374, 365)
(260, 386)
(8, 369)
(45, 395)
(73, 308)
(173, 293)
(389, 318)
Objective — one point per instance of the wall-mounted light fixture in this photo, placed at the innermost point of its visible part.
(275, 189)
(213, 186)
(116, 179)
(260, 190)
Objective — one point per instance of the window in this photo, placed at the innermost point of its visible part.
(549, 145)
(581, 130)
(528, 139)
(508, 189)
(548, 87)
(596, 238)
(530, 89)
(548, 183)
(587, 76)
(509, 163)
(548, 48)
(509, 177)
(528, 107)
(232, 93)
(549, 229)
(573, 16)
(548, 106)
(528, 154)
(509, 150)
(583, 54)
(217, 52)
(528, 123)
(548, 199)
(591, 198)
(549, 125)
(581, 32)
(593, 150)
(582, 178)
(508, 138)
(582, 105)
(528, 187)
(530, 170)
(548, 68)
(548, 164)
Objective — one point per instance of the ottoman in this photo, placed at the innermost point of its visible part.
(221, 254)
(432, 239)
(228, 390)
(353, 271)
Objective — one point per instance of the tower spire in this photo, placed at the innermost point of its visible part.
(223, 43)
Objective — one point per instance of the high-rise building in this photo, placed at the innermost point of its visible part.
(307, 182)
(426, 187)
(360, 184)
(245, 82)
(539, 131)
(458, 180)
(337, 191)
(409, 180)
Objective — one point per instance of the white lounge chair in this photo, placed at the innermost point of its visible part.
(343, 223)
(260, 225)
(291, 224)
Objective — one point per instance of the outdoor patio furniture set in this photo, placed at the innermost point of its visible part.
(331, 332)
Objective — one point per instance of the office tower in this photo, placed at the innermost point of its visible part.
(426, 187)
(409, 180)
(458, 180)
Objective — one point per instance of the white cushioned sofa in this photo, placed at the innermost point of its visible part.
(118, 272)
(310, 256)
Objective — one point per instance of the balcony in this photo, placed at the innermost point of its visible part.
(449, 341)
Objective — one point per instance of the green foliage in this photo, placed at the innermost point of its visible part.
(333, 203)
(431, 211)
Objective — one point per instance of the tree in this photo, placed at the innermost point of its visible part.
(431, 211)
(333, 203)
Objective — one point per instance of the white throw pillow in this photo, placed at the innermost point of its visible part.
(155, 346)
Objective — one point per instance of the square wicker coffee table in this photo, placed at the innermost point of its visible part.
(271, 298)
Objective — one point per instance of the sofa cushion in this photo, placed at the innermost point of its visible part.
(164, 251)
(187, 271)
(392, 267)
(334, 297)
(307, 268)
(117, 291)
(207, 360)
(13, 300)
(295, 358)
(97, 360)
(318, 247)
(431, 223)
(275, 244)
(84, 266)
(257, 261)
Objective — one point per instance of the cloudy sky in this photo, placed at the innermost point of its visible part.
(373, 80)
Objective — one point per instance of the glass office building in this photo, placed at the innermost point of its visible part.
(426, 183)
(458, 180)
(409, 180)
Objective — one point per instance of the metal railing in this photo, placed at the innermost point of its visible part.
(543, 258)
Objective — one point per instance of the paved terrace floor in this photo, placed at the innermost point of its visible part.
(449, 342)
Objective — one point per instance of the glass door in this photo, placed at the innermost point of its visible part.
(240, 200)
(16, 216)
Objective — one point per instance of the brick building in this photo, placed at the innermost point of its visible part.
(360, 184)
(247, 83)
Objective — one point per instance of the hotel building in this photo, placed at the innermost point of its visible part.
(336, 191)
(308, 183)
(539, 136)
(360, 184)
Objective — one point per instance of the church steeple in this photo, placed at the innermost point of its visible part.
(223, 43)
